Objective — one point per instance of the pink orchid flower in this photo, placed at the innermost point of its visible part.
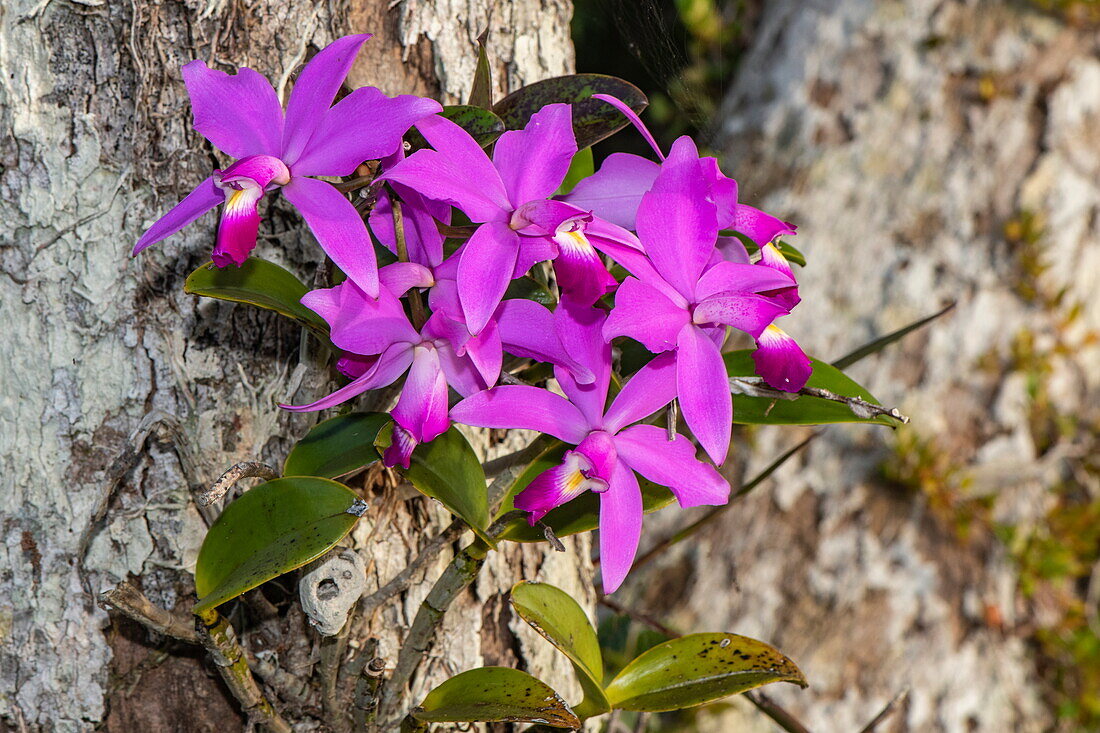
(241, 115)
(610, 448)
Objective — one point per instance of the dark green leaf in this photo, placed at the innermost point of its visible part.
(447, 469)
(562, 622)
(337, 446)
(581, 167)
(481, 93)
(697, 669)
(483, 125)
(593, 120)
(256, 282)
(270, 530)
(579, 515)
(881, 343)
(528, 288)
(495, 694)
(804, 410)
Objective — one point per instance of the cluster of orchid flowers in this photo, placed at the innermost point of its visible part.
(685, 279)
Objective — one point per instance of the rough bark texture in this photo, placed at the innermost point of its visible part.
(929, 152)
(95, 143)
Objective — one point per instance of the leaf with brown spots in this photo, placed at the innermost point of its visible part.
(495, 695)
(697, 669)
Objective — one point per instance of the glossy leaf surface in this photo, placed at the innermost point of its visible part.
(803, 410)
(257, 282)
(495, 694)
(593, 120)
(697, 669)
(560, 620)
(270, 530)
(337, 446)
(447, 469)
(483, 126)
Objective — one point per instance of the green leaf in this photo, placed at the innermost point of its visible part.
(880, 343)
(256, 282)
(492, 695)
(561, 621)
(483, 126)
(803, 410)
(270, 530)
(697, 669)
(481, 93)
(528, 288)
(337, 446)
(579, 515)
(581, 167)
(593, 120)
(447, 469)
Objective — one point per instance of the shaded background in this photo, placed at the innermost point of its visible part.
(930, 152)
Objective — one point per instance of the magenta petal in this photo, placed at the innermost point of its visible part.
(780, 361)
(533, 161)
(733, 250)
(703, 388)
(615, 190)
(339, 229)
(422, 238)
(558, 485)
(650, 389)
(744, 311)
(422, 407)
(239, 113)
(238, 228)
(726, 277)
(518, 406)
(645, 314)
(771, 257)
(314, 91)
(202, 199)
(361, 324)
(365, 125)
(672, 463)
(634, 120)
(484, 271)
(385, 370)
(760, 227)
(580, 328)
(620, 526)
(580, 272)
(400, 277)
(461, 373)
(677, 224)
(400, 450)
(527, 330)
(599, 448)
(486, 353)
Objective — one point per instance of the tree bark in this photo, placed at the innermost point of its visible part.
(122, 393)
(929, 152)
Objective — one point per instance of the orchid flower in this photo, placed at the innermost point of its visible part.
(381, 344)
(610, 448)
(690, 295)
(241, 115)
(508, 197)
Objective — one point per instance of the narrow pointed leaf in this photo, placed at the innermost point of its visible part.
(697, 669)
(337, 446)
(561, 621)
(271, 529)
(447, 469)
(593, 120)
(804, 409)
(881, 343)
(495, 695)
(581, 167)
(259, 283)
(481, 93)
(483, 126)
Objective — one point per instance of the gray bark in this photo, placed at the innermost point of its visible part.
(118, 389)
(909, 140)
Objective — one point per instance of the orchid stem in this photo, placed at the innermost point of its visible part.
(415, 302)
(244, 469)
(458, 576)
(713, 514)
(778, 714)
